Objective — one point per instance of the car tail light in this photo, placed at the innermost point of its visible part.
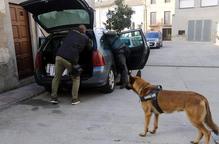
(98, 59)
(38, 61)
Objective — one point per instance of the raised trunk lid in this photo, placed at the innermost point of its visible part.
(58, 15)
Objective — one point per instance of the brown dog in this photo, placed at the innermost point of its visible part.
(155, 100)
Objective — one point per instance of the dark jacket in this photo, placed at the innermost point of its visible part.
(73, 44)
(119, 47)
(116, 45)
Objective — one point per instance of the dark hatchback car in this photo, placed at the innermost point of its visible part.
(58, 17)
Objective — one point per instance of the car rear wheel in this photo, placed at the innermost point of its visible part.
(110, 86)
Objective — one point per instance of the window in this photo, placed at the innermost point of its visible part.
(153, 18)
(153, 1)
(209, 2)
(153, 35)
(132, 39)
(167, 17)
(66, 17)
(167, 1)
(181, 32)
(186, 3)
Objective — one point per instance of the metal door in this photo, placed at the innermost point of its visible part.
(199, 30)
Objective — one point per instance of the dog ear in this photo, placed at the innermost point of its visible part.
(138, 73)
(131, 78)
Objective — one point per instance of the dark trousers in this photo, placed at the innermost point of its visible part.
(120, 59)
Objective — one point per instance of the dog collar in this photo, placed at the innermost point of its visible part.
(153, 97)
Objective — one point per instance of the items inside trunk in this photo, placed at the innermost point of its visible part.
(49, 54)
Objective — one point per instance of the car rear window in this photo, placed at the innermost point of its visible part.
(65, 17)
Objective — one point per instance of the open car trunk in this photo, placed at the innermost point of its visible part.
(49, 51)
(57, 15)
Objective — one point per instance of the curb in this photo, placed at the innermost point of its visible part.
(183, 66)
(20, 94)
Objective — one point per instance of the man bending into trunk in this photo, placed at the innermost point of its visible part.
(67, 57)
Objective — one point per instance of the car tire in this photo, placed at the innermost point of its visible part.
(158, 45)
(110, 85)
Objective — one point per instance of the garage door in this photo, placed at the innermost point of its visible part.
(199, 30)
(21, 34)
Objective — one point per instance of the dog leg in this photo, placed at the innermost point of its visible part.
(206, 132)
(147, 122)
(156, 117)
(197, 117)
(192, 142)
(202, 130)
(198, 137)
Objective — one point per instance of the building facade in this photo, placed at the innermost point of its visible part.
(101, 8)
(138, 18)
(18, 44)
(196, 20)
(159, 16)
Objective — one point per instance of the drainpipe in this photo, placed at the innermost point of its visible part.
(145, 16)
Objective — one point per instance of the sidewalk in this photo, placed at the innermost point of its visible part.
(14, 96)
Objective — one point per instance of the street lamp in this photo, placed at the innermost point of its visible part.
(109, 14)
(109, 17)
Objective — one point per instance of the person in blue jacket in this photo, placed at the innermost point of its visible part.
(121, 52)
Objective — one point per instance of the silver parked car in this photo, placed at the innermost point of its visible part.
(154, 39)
(58, 17)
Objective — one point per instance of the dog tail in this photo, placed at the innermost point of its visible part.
(209, 121)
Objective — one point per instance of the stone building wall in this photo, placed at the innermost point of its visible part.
(8, 70)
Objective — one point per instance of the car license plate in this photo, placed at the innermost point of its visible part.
(50, 70)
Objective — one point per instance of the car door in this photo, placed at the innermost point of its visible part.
(139, 51)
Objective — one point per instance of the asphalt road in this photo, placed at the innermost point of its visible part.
(117, 118)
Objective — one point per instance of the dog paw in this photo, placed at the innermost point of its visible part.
(192, 142)
(142, 134)
(153, 131)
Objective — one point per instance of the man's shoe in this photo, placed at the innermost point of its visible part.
(75, 101)
(54, 101)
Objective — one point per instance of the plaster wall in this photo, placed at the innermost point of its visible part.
(159, 7)
(182, 16)
(8, 68)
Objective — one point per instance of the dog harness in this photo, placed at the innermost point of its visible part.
(153, 97)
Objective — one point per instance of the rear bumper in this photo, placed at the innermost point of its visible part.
(99, 79)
